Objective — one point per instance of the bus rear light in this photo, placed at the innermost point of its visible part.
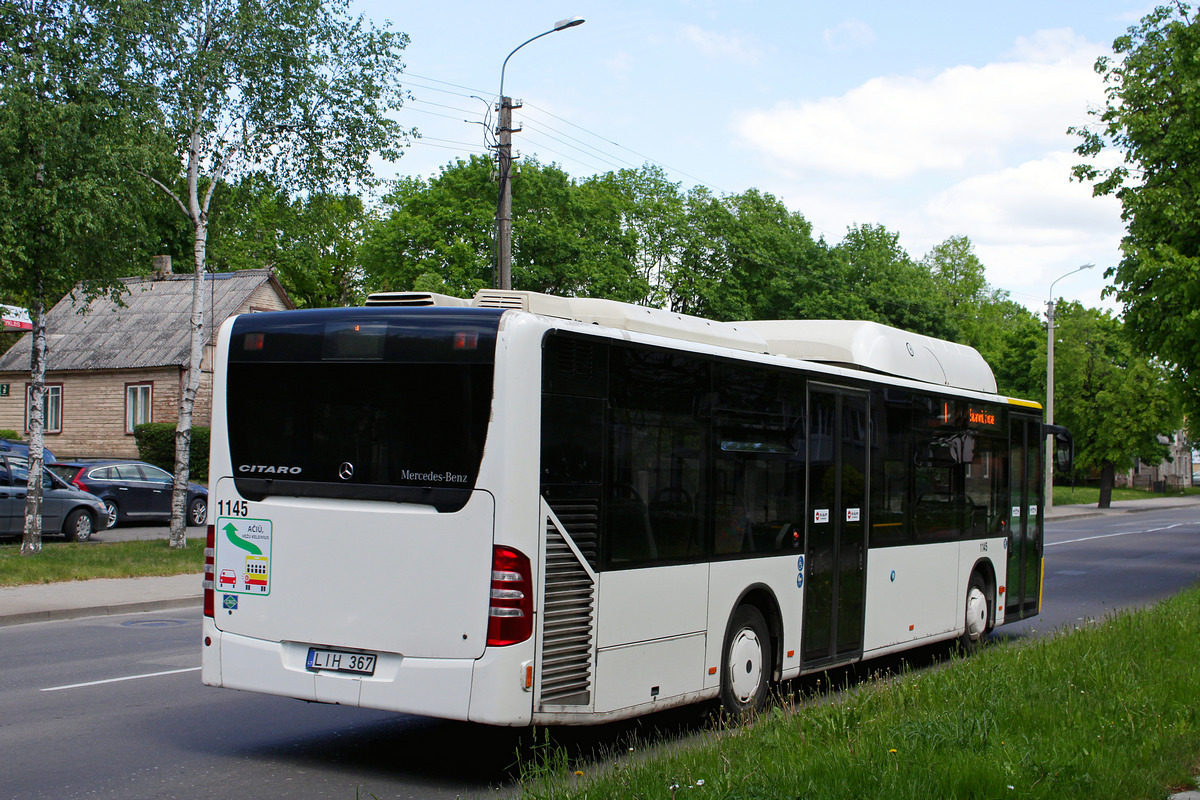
(210, 568)
(510, 614)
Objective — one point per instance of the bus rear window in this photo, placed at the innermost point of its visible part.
(389, 406)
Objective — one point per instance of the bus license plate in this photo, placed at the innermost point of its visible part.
(341, 661)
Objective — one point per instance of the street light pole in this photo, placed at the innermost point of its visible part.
(504, 131)
(1048, 503)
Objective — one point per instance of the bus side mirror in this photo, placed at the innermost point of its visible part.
(1064, 447)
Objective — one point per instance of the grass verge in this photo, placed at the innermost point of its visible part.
(1108, 711)
(1068, 495)
(63, 561)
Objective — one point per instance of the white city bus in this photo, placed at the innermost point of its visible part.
(525, 509)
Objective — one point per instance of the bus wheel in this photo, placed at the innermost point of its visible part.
(977, 613)
(746, 666)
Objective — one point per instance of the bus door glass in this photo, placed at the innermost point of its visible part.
(1024, 550)
(835, 551)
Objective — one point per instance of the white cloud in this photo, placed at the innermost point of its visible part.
(850, 34)
(1029, 223)
(893, 127)
(1037, 198)
(731, 46)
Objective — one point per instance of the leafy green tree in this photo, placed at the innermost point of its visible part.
(1152, 117)
(1004, 332)
(311, 242)
(893, 288)
(70, 128)
(1115, 403)
(651, 212)
(1018, 359)
(746, 256)
(296, 89)
(443, 226)
(567, 238)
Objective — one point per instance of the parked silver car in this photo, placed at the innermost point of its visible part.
(65, 509)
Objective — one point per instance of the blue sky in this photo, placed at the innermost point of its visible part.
(935, 119)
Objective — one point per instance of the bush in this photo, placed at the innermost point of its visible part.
(156, 444)
(7, 434)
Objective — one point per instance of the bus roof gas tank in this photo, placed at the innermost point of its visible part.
(878, 348)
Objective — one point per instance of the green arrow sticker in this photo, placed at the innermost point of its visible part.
(231, 534)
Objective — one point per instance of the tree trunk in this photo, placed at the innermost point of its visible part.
(183, 431)
(31, 540)
(1106, 484)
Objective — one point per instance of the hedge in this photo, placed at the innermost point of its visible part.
(156, 444)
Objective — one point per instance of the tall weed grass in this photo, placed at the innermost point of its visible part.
(1107, 711)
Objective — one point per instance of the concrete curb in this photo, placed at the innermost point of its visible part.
(98, 597)
(54, 614)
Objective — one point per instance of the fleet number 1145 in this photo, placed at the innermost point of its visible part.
(232, 508)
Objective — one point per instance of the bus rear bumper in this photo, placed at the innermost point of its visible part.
(436, 687)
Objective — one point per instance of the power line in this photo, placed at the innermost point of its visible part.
(701, 181)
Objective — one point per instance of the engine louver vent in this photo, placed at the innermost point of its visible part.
(569, 613)
(500, 299)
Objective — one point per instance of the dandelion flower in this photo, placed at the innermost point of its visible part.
(892, 750)
(579, 772)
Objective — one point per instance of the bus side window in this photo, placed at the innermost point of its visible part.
(630, 535)
(759, 469)
(890, 463)
(655, 433)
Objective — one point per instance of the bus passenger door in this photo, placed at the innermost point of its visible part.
(835, 544)
(1024, 582)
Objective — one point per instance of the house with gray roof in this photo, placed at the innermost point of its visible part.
(112, 366)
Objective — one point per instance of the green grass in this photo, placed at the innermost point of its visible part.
(63, 561)
(1108, 711)
(1067, 495)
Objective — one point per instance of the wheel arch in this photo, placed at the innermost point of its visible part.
(762, 597)
(986, 570)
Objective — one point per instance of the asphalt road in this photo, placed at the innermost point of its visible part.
(1098, 565)
(112, 707)
(132, 531)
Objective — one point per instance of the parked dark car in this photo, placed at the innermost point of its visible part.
(132, 491)
(65, 509)
(22, 449)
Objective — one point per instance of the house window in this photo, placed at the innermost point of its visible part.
(137, 404)
(51, 407)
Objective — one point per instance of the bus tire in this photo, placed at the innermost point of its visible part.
(976, 615)
(745, 663)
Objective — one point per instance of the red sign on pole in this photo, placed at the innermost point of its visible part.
(15, 318)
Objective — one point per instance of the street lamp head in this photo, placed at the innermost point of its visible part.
(1080, 268)
(568, 23)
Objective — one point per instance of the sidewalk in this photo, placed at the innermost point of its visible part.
(50, 601)
(71, 599)
(1059, 513)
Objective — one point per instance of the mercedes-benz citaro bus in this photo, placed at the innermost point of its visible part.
(523, 509)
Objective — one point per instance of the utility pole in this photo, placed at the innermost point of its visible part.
(504, 151)
(1048, 501)
(505, 131)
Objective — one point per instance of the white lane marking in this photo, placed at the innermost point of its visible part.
(119, 680)
(1122, 533)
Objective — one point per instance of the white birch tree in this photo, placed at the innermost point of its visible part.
(69, 130)
(296, 89)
